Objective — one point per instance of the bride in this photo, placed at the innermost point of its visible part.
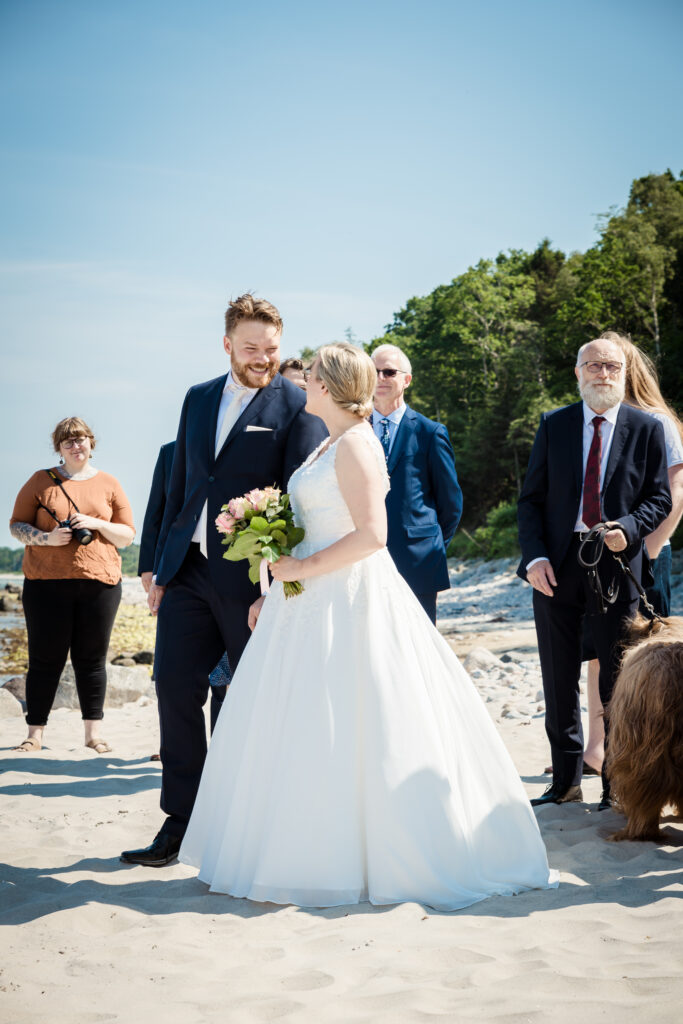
(353, 759)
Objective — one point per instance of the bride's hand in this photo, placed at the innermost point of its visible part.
(287, 569)
(255, 611)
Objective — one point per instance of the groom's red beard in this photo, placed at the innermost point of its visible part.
(246, 375)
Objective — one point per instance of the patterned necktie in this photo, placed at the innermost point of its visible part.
(386, 437)
(591, 483)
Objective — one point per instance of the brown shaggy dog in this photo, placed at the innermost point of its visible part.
(645, 749)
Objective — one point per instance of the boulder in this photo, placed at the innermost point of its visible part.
(124, 685)
(144, 657)
(17, 687)
(9, 603)
(10, 707)
(480, 657)
(124, 661)
(14, 588)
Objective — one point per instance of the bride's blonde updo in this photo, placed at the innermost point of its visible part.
(349, 375)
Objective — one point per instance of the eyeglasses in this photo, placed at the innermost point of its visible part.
(612, 368)
(389, 372)
(80, 441)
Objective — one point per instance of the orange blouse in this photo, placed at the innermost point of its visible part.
(102, 497)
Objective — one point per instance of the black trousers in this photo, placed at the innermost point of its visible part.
(63, 616)
(196, 625)
(428, 602)
(558, 629)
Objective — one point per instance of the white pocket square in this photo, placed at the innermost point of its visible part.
(252, 427)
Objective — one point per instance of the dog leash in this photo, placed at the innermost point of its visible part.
(596, 537)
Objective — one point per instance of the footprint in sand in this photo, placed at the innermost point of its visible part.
(306, 981)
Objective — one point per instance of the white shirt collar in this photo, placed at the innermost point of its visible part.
(231, 384)
(610, 414)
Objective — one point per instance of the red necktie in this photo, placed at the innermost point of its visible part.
(591, 482)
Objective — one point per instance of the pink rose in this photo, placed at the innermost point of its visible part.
(257, 500)
(237, 507)
(225, 523)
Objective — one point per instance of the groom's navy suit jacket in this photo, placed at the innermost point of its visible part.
(424, 503)
(249, 458)
(635, 489)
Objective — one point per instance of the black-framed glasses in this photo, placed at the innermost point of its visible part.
(389, 372)
(594, 367)
(71, 441)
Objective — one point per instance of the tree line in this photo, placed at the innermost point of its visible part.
(496, 347)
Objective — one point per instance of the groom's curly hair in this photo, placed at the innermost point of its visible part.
(248, 307)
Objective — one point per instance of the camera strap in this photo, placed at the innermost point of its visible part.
(53, 476)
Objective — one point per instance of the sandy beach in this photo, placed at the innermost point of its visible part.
(85, 938)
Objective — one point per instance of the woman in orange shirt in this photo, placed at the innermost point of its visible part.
(72, 519)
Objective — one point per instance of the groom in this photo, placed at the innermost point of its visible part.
(241, 431)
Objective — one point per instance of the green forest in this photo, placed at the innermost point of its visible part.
(497, 346)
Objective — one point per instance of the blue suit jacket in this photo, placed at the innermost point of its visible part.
(424, 504)
(635, 489)
(248, 459)
(156, 503)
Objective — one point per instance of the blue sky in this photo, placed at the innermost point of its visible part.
(159, 157)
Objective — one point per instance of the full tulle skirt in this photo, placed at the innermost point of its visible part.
(354, 760)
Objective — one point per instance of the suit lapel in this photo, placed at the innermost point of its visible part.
(576, 442)
(256, 406)
(618, 441)
(403, 434)
(214, 402)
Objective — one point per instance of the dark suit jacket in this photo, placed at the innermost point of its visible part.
(156, 504)
(635, 489)
(424, 504)
(247, 459)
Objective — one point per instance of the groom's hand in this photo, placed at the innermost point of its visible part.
(542, 578)
(255, 611)
(154, 597)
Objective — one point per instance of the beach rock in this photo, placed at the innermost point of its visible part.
(124, 661)
(10, 707)
(14, 588)
(17, 687)
(124, 685)
(144, 657)
(480, 657)
(9, 603)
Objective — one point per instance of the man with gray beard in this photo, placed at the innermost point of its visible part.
(597, 461)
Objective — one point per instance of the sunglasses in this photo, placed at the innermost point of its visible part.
(390, 372)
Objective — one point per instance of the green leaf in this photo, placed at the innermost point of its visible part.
(279, 524)
(258, 524)
(254, 571)
(279, 536)
(295, 534)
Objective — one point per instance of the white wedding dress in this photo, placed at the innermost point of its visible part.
(353, 758)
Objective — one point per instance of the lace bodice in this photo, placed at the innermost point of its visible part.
(316, 498)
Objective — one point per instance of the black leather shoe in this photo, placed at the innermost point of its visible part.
(605, 799)
(555, 795)
(163, 850)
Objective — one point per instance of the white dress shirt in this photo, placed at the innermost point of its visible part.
(606, 429)
(394, 418)
(199, 535)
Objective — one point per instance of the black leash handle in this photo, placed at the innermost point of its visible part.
(596, 536)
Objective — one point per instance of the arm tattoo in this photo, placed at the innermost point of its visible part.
(28, 534)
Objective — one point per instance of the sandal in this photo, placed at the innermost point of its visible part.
(99, 746)
(28, 745)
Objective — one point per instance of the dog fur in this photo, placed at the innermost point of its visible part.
(645, 748)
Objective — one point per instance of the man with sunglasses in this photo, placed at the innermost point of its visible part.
(424, 504)
(596, 461)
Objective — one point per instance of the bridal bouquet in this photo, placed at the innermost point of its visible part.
(260, 527)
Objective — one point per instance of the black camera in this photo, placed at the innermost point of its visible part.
(81, 534)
